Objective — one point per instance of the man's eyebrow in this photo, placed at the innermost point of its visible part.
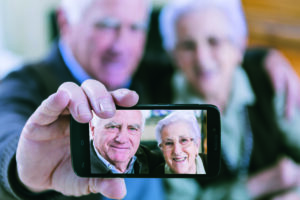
(111, 123)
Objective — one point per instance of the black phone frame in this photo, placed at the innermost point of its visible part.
(80, 151)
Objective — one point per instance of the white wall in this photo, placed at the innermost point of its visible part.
(24, 26)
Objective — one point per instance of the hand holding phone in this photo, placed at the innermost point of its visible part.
(149, 141)
(44, 144)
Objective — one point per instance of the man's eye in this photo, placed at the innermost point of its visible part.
(187, 45)
(168, 143)
(139, 27)
(132, 128)
(112, 127)
(107, 25)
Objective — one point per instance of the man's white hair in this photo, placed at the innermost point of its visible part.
(95, 120)
(174, 9)
(74, 9)
(187, 116)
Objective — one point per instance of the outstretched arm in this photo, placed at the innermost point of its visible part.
(43, 153)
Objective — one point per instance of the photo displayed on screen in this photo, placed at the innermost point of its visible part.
(149, 142)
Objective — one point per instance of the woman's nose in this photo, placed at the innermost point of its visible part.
(177, 148)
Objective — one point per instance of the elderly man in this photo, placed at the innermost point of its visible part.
(260, 149)
(102, 40)
(115, 145)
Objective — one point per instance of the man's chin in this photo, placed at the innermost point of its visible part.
(120, 158)
(115, 83)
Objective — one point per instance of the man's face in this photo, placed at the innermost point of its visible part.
(108, 41)
(179, 149)
(205, 52)
(118, 138)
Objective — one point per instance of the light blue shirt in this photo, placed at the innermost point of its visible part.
(75, 68)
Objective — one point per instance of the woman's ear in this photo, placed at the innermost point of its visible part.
(242, 48)
(198, 142)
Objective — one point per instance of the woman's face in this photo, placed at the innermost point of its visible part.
(205, 52)
(179, 148)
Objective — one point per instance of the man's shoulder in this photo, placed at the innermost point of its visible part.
(97, 166)
(44, 76)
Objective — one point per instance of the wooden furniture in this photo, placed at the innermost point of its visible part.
(275, 23)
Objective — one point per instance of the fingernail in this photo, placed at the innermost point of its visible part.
(83, 111)
(106, 106)
(120, 94)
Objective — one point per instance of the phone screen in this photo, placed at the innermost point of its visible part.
(163, 142)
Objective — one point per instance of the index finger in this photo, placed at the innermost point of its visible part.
(69, 97)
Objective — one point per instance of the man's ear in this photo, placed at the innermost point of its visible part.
(62, 22)
(92, 130)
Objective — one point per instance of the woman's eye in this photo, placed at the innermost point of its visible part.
(184, 140)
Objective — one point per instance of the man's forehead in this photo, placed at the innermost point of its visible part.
(125, 116)
(130, 10)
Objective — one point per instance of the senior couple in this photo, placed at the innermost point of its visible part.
(104, 40)
(115, 146)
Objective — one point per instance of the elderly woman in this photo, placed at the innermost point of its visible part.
(207, 39)
(178, 136)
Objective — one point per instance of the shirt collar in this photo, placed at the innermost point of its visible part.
(75, 68)
(129, 170)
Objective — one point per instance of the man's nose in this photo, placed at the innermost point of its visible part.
(122, 39)
(122, 136)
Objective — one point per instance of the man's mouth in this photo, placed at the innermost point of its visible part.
(119, 147)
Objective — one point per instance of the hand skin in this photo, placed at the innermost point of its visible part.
(283, 78)
(283, 176)
(43, 152)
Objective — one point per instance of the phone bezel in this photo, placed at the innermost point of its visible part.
(80, 151)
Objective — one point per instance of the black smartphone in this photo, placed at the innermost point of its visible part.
(173, 140)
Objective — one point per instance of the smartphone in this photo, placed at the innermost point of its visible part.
(173, 140)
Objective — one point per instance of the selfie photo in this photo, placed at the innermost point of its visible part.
(149, 142)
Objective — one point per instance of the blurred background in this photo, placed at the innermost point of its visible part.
(27, 28)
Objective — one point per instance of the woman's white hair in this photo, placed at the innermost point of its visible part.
(176, 116)
(174, 9)
(74, 9)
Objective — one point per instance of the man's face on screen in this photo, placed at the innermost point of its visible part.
(118, 138)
